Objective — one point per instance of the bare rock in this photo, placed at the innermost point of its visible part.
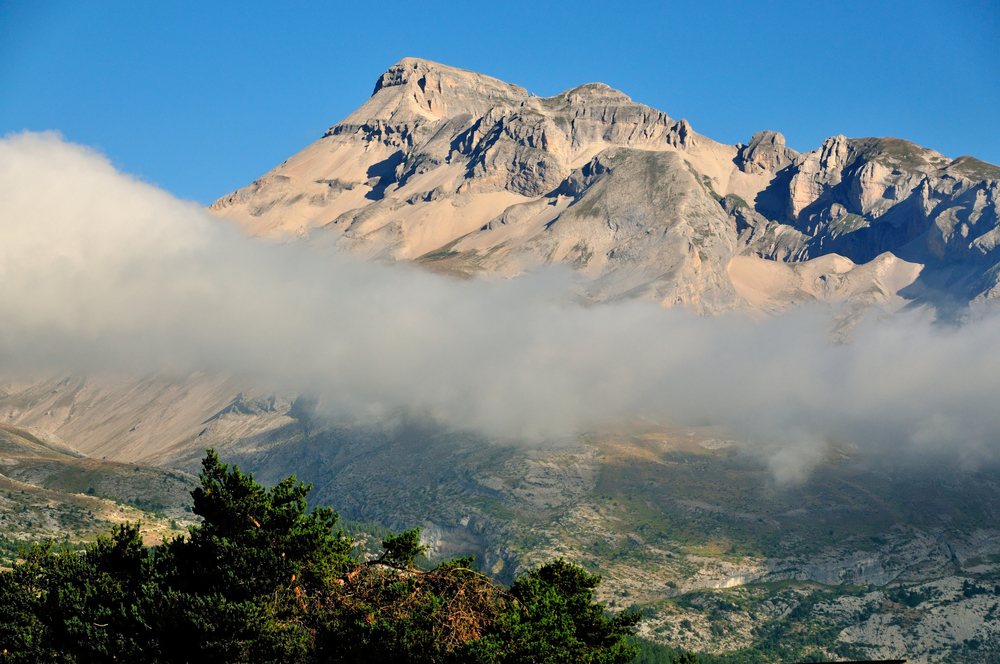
(468, 174)
(765, 152)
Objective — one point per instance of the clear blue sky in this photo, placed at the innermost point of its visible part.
(203, 97)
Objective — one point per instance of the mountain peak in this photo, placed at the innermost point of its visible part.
(410, 71)
(469, 174)
(597, 91)
(414, 91)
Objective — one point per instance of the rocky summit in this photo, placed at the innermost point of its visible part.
(470, 175)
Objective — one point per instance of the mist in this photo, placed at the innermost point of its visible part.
(100, 272)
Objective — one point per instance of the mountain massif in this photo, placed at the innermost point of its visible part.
(471, 175)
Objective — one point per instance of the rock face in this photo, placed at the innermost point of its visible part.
(766, 152)
(468, 174)
(861, 198)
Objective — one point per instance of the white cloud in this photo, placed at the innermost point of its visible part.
(100, 272)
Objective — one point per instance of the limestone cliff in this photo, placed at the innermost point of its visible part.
(468, 174)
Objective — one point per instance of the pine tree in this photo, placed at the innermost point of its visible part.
(262, 579)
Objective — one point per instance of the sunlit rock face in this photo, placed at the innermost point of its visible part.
(468, 175)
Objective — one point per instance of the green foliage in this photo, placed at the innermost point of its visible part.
(403, 549)
(974, 169)
(737, 201)
(58, 605)
(262, 579)
(252, 539)
(849, 223)
(556, 620)
(658, 653)
(913, 598)
(438, 255)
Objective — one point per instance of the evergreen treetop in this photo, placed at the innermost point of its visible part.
(262, 579)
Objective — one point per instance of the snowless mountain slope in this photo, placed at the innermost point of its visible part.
(468, 174)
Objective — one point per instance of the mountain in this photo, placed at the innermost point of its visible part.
(466, 175)
(470, 175)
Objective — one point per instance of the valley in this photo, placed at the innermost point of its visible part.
(688, 526)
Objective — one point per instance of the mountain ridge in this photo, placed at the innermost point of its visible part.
(468, 174)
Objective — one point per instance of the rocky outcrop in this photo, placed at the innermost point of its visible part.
(639, 223)
(766, 152)
(860, 198)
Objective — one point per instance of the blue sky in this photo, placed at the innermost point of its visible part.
(202, 98)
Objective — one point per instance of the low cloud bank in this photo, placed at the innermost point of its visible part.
(100, 272)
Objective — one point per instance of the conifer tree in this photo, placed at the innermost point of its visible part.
(262, 579)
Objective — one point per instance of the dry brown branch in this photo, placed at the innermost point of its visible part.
(469, 601)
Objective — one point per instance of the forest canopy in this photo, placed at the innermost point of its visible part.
(263, 579)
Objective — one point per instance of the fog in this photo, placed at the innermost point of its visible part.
(100, 272)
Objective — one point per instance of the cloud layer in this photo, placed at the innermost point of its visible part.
(100, 272)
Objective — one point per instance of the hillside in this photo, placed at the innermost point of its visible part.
(49, 491)
(890, 559)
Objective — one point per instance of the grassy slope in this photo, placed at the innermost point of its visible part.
(47, 493)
